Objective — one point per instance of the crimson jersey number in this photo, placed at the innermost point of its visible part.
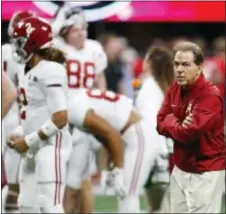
(80, 75)
(106, 95)
(23, 102)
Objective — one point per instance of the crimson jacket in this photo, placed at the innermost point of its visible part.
(200, 146)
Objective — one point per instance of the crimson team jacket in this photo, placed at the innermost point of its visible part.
(200, 146)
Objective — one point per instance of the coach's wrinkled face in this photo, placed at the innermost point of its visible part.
(186, 71)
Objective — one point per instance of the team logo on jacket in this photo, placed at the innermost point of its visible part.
(94, 10)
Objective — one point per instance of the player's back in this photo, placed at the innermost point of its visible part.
(32, 91)
(114, 108)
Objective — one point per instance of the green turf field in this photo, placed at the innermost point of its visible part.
(105, 204)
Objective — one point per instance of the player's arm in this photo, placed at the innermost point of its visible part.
(9, 94)
(111, 138)
(201, 120)
(53, 88)
(56, 100)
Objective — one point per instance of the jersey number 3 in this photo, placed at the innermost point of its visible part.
(80, 75)
(23, 103)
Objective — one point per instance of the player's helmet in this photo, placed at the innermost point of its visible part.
(17, 17)
(30, 35)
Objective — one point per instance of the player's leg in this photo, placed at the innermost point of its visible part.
(139, 158)
(87, 198)
(78, 193)
(79, 200)
(155, 193)
(49, 179)
(158, 183)
(51, 166)
(165, 206)
(12, 162)
(27, 200)
(4, 186)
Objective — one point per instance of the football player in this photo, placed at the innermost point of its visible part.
(97, 112)
(85, 63)
(11, 121)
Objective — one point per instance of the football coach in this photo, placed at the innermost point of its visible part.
(192, 114)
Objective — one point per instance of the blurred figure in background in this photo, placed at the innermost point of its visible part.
(129, 64)
(214, 62)
(158, 75)
(12, 119)
(176, 40)
(219, 53)
(113, 47)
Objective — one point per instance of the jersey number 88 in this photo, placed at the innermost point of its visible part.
(80, 75)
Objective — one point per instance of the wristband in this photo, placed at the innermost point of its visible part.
(18, 131)
(49, 128)
(32, 139)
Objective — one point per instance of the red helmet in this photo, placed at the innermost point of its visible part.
(30, 35)
(17, 17)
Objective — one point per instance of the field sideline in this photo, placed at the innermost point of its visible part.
(108, 204)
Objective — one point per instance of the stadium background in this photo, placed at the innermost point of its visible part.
(129, 36)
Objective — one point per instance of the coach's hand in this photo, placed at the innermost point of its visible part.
(18, 144)
(187, 121)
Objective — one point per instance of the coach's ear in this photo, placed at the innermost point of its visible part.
(200, 69)
(111, 138)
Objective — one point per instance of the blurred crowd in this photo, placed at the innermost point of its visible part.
(125, 62)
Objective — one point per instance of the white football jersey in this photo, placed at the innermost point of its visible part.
(114, 108)
(148, 102)
(82, 65)
(32, 89)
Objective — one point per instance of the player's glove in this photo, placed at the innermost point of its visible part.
(106, 182)
(17, 133)
(116, 179)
